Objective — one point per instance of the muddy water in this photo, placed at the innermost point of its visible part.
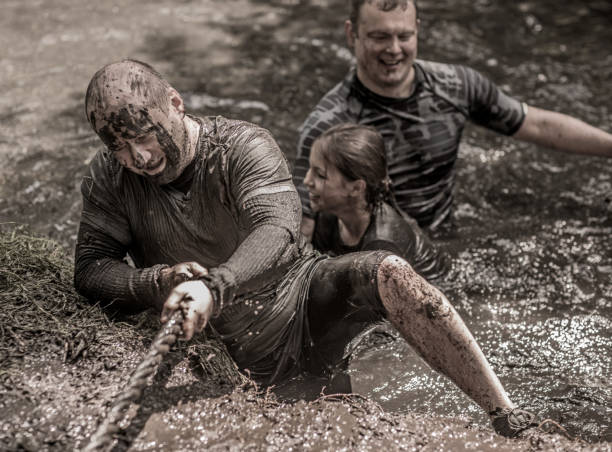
(530, 239)
(532, 230)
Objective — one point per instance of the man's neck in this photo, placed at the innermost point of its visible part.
(192, 129)
(401, 91)
(193, 135)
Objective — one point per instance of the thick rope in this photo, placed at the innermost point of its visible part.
(167, 336)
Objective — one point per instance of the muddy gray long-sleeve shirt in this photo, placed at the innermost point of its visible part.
(239, 218)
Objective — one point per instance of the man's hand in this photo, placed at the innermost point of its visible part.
(196, 301)
(171, 277)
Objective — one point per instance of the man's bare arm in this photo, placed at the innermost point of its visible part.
(565, 133)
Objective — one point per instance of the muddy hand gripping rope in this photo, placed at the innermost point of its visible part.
(103, 438)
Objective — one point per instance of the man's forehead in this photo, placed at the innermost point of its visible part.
(126, 121)
(383, 6)
(393, 21)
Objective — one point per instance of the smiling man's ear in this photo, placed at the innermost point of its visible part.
(350, 33)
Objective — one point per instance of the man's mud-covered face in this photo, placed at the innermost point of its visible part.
(146, 141)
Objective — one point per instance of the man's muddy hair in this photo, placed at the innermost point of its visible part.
(383, 5)
(358, 152)
(138, 79)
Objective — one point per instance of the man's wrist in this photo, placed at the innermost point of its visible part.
(221, 286)
(162, 288)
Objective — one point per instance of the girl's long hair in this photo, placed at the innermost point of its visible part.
(358, 152)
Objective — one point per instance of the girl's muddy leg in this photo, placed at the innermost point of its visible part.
(429, 323)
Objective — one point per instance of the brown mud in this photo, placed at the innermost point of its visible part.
(530, 239)
(64, 361)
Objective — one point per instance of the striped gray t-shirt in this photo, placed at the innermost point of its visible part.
(421, 132)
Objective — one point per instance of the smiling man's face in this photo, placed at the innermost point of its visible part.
(385, 46)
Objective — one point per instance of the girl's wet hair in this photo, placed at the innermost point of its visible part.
(358, 152)
(129, 79)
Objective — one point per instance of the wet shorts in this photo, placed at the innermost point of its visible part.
(342, 299)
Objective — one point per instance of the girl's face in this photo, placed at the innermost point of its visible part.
(329, 190)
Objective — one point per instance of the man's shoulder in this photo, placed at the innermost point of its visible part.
(103, 166)
(441, 73)
(332, 108)
(449, 75)
(234, 145)
(435, 66)
(234, 136)
(337, 97)
(225, 129)
(104, 178)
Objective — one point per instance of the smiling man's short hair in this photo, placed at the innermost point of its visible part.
(383, 5)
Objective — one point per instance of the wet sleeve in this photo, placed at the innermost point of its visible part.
(401, 234)
(101, 274)
(269, 209)
(426, 259)
(489, 106)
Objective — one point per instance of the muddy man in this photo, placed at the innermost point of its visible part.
(206, 208)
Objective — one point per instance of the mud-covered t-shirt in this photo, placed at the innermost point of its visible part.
(239, 218)
(388, 230)
(421, 132)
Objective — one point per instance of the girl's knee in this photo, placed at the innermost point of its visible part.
(394, 269)
(402, 289)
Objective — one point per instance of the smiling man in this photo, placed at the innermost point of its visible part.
(421, 108)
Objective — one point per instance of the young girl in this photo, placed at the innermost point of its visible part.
(349, 189)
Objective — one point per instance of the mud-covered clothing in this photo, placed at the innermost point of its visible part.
(342, 300)
(239, 217)
(388, 230)
(421, 132)
(237, 214)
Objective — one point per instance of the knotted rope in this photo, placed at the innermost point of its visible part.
(167, 336)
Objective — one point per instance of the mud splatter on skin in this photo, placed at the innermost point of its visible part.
(122, 101)
(407, 283)
(429, 323)
(130, 122)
